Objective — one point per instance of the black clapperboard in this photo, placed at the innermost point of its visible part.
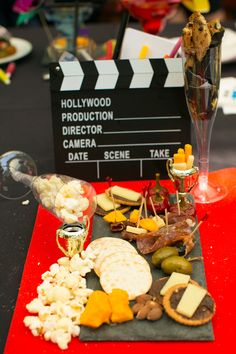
(117, 118)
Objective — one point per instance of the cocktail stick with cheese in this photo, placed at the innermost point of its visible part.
(183, 159)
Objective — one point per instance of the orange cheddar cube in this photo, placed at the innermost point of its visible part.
(179, 158)
(188, 151)
(181, 151)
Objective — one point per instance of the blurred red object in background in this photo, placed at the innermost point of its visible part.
(151, 13)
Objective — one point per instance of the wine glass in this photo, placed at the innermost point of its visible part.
(17, 161)
(201, 83)
(71, 200)
(151, 13)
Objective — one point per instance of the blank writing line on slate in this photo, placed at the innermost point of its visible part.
(142, 144)
(143, 131)
(98, 163)
(144, 118)
(127, 160)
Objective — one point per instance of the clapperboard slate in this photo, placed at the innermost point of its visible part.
(117, 118)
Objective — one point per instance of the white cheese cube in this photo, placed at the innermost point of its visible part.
(190, 161)
(180, 166)
(126, 193)
(136, 230)
(190, 300)
(105, 203)
(159, 221)
(174, 279)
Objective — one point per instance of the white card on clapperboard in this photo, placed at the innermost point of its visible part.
(134, 41)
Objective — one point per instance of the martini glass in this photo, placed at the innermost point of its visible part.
(202, 80)
(71, 200)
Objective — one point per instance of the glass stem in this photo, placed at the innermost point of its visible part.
(22, 177)
(203, 135)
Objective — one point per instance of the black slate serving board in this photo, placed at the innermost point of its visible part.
(165, 329)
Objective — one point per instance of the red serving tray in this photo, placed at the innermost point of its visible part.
(218, 245)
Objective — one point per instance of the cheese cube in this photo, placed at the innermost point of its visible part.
(190, 161)
(190, 300)
(179, 158)
(180, 151)
(188, 150)
(159, 221)
(126, 193)
(135, 230)
(174, 279)
(181, 166)
(105, 203)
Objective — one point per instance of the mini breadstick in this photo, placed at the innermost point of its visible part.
(190, 161)
(188, 151)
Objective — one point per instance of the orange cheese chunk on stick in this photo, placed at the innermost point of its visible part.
(188, 151)
(179, 158)
(181, 151)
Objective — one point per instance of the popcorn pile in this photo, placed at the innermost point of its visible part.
(61, 299)
(66, 199)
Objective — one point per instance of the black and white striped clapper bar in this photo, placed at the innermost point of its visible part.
(118, 118)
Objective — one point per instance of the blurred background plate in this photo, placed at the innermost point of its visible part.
(228, 50)
(23, 48)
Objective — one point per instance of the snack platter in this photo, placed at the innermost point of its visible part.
(218, 263)
(164, 329)
(140, 278)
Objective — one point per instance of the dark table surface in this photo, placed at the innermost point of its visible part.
(25, 124)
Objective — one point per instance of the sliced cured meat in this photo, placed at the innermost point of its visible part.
(166, 236)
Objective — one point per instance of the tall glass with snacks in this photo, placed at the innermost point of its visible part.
(201, 53)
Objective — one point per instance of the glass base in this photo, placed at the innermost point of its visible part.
(208, 192)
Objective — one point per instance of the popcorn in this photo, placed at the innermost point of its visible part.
(54, 269)
(64, 261)
(60, 293)
(69, 218)
(61, 337)
(71, 281)
(34, 324)
(65, 199)
(35, 305)
(65, 323)
(44, 312)
(61, 299)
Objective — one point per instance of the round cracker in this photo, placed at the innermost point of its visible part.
(108, 250)
(122, 258)
(102, 242)
(123, 209)
(134, 278)
(179, 317)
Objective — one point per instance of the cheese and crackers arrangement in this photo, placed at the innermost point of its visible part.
(140, 278)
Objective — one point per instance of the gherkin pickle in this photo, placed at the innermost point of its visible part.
(161, 254)
(176, 264)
